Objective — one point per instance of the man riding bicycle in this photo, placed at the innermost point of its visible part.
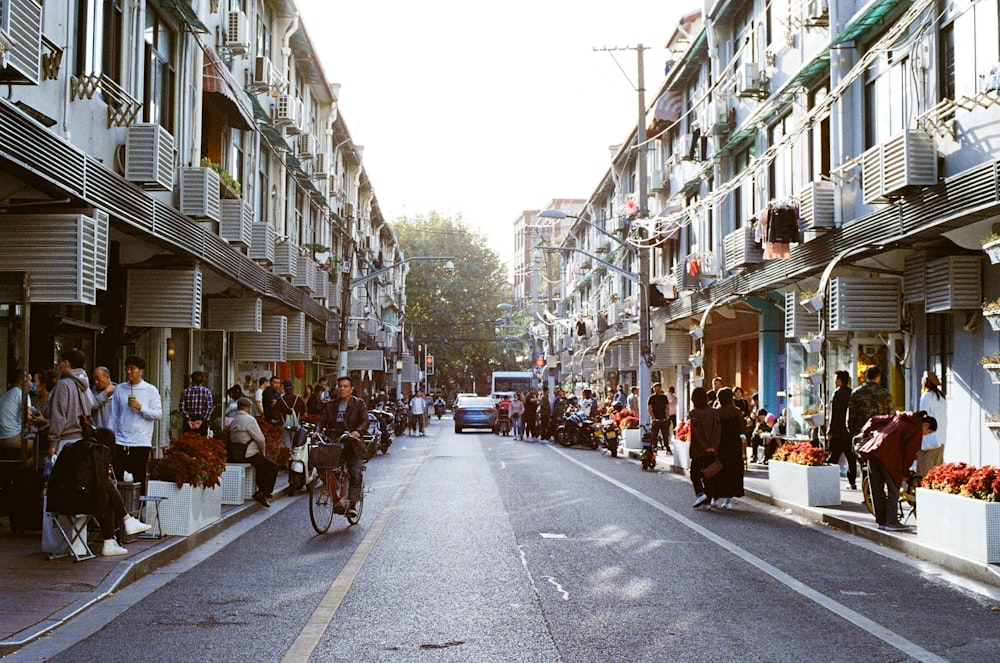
(348, 414)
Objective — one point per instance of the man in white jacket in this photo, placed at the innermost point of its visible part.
(70, 398)
(135, 406)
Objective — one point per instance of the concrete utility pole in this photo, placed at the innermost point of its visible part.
(645, 350)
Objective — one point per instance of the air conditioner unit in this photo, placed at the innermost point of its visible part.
(319, 166)
(149, 156)
(288, 113)
(236, 221)
(659, 181)
(741, 249)
(21, 42)
(199, 193)
(901, 165)
(817, 13)
(307, 146)
(286, 259)
(238, 33)
(263, 74)
(816, 205)
(749, 81)
(262, 237)
(718, 119)
(682, 147)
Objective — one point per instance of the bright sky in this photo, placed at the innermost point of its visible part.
(486, 110)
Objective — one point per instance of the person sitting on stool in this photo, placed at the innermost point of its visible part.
(244, 429)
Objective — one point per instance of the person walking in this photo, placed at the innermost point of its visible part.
(659, 426)
(516, 412)
(728, 483)
(135, 407)
(867, 401)
(706, 433)
(196, 405)
(70, 398)
(932, 401)
(418, 407)
(244, 429)
(545, 415)
(531, 413)
(838, 436)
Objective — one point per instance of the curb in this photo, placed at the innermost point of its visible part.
(129, 571)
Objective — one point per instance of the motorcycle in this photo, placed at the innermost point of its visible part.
(373, 436)
(386, 420)
(299, 472)
(607, 434)
(439, 409)
(568, 430)
(400, 415)
(503, 423)
(648, 450)
(586, 436)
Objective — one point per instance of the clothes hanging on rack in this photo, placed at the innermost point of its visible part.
(777, 228)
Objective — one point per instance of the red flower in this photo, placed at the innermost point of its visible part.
(984, 484)
(193, 459)
(948, 478)
(801, 454)
(683, 431)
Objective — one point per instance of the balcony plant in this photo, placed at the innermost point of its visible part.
(991, 311)
(814, 374)
(814, 416)
(812, 300)
(812, 342)
(991, 244)
(993, 423)
(992, 364)
(960, 510)
(228, 186)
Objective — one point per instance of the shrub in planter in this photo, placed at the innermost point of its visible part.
(801, 454)
(961, 479)
(193, 459)
(683, 431)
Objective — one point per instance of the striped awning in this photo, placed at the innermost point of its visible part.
(217, 80)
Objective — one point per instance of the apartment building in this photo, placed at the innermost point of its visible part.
(820, 194)
(178, 182)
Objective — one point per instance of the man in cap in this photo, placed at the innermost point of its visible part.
(244, 429)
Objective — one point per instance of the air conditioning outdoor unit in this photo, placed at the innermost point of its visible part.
(262, 238)
(21, 42)
(741, 249)
(749, 81)
(901, 165)
(236, 221)
(263, 74)
(817, 13)
(319, 166)
(286, 259)
(149, 156)
(237, 33)
(199, 193)
(816, 205)
(307, 146)
(288, 113)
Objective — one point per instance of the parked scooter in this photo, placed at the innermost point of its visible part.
(568, 429)
(607, 434)
(648, 449)
(386, 421)
(299, 471)
(400, 414)
(374, 435)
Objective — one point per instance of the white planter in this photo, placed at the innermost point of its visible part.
(696, 360)
(187, 509)
(993, 251)
(807, 485)
(994, 371)
(682, 453)
(814, 303)
(993, 319)
(234, 483)
(816, 420)
(632, 438)
(696, 382)
(816, 377)
(814, 344)
(960, 525)
(697, 332)
(994, 428)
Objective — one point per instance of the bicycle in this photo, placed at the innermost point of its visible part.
(328, 494)
(906, 505)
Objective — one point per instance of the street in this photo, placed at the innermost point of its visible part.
(475, 547)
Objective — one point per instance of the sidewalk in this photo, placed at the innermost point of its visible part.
(853, 517)
(38, 595)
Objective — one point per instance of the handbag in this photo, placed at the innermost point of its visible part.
(712, 469)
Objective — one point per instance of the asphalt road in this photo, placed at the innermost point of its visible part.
(475, 548)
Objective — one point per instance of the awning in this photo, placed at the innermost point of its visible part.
(219, 81)
(184, 12)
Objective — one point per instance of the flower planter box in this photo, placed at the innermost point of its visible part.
(994, 427)
(187, 509)
(696, 382)
(816, 377)
(632, 438)
(682, 453)
(959, 525)
(235, 481)
(993, 251)
(994, 371)
(806, 485)
(816, 419)
(814, 303)
(696, 360)
(697, 332)
(993, 319)
(814, 344)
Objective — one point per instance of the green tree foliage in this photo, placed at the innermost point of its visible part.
(454, 315)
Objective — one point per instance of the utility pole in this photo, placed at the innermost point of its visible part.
(645, 350)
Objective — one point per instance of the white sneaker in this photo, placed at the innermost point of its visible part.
(701, 499)
(728, 504)
(111, 548)
(135, 526)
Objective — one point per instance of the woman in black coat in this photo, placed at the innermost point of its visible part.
(729, 482)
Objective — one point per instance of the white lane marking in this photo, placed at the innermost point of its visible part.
(321, 617)
(549, 535)
(894, 639)
(559, 588)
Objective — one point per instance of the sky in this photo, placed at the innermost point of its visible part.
(486, 110)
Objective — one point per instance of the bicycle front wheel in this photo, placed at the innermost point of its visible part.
(321, 499)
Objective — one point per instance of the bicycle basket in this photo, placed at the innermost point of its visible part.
(324, 455)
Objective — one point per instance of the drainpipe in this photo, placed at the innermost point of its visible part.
(838, 65)
(283, 213)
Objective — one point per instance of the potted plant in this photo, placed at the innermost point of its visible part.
(992, 364)
(228, 186)
(187, 476)
(993, 423)
(960, 511)
(814, 416)
(697, 331)
(812, 342)
(814, 374)
(696, 359)
(812, 300)
(681, 445)
(991, 244)
(991, 311)
(798, 473)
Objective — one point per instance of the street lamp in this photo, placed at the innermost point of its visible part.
(558, 214)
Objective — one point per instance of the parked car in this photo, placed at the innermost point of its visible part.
(474, 412)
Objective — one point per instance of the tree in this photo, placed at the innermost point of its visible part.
(454, 315)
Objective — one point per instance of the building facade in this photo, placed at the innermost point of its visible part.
(820, 182)
(178, 182)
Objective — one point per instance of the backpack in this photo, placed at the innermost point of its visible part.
(291, 420)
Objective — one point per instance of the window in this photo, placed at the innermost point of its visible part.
(974, 25)
(940, 345)
(785, 178)
(819, 139)
(159, 74)
(99, 38)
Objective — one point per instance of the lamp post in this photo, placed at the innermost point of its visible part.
(345, 305)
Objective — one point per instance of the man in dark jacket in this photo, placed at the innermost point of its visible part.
(838, 436)
(867, 401)
(348, 414)
(891, 447)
